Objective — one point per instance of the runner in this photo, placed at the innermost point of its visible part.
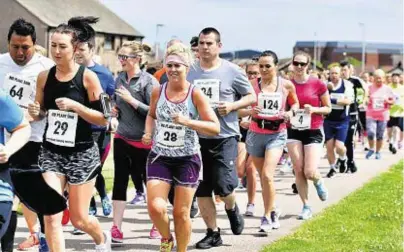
(132, 98)
(69, 95)
(267, 137)
(194, 46)
(19, 69)
(381, 97)
(221, 81)
(175, 160)
(360, 93)
(84, 56)
(12, 121)
(395, 125)
(245, 167)
(362, 112)
(305, 137)
(161, 75)
(336, 124)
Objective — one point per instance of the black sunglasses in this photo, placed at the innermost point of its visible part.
(297, 63)
(125, 57)
(266, 65)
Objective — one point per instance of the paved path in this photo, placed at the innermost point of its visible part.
(137, 224)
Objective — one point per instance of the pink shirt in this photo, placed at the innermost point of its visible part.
(136, 144)
(283, 92)
(310, 92)
(377, 108)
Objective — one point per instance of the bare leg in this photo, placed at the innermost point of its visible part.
(157, 195)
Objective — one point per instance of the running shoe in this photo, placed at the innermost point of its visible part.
(212, 239)
(167, 245)
(154, 233)
(322, 191)
(352, 167)
(106, 246)
(106, 206)
(370, 153)
(139, 199)
(77, 231)
(43, 245)
(390, 147)
(378, 156)
(92, 211)
(236, 220)
(266, 225)
(393, 149)
(275, 215)
(31, 241)
(331, 173)
(116, 235)
(342, 165)
(250, 210)
(294, 188)
(66, 217)
(305, 214)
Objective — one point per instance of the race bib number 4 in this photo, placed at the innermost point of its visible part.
(211, 88)
(170, 135)
(270, 103)
(19, 89)
(301, 121)
(62, 127)
(378, 103)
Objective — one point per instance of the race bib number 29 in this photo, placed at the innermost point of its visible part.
(62, 127)
(19, 89)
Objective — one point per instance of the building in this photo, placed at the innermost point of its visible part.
(46, 15)
(378, 55)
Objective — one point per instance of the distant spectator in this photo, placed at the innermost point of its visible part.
(41, 50)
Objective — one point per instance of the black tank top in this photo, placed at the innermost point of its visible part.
(74, 90)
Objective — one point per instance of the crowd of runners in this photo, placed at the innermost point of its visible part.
(188, 134)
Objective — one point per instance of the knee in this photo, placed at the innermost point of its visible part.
(267, 178)
(240, 174)
(157, 207)
(309, 175)
(53, 221)
(78, 222)
(181, 214)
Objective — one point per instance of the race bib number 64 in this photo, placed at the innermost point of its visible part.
(19, 88)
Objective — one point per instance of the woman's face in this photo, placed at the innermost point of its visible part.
(300, 64)
(62, 49)
(267, 67)
(127, 59)
(253, 72)
(176, 71)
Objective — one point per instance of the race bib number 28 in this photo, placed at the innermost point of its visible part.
(62, 127)
(170, 135)
(19, 89)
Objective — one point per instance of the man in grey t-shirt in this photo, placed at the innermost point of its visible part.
(222, 82)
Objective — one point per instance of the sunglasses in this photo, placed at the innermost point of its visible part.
(252, 73)
(176, 65)
(125, 57)
(297, 63)
(266, 66)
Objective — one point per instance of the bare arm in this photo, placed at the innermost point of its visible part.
(325, 109)
(36, 110)
(245, 101)
(151, 116)
(244, 112)
(19, 137)
(292, 96)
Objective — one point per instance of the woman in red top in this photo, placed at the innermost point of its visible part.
(266, 137)
(305, 135)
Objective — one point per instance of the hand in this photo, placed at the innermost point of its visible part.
(34, 109)
(288, 115)
(4, 155)
(66, 104)
(245, 124)
(147, 139)
(225, 108)
(115, 112)
(180, 119)
(114, 124)
(124, 94)
(256, 110)
(330, 86)
(28, 116)
(308, 109)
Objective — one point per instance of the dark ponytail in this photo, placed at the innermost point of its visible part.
(79, 28)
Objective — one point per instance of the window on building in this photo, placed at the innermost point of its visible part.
(109, 42)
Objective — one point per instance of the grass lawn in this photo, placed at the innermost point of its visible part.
(370, 219)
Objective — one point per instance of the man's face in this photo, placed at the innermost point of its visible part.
(83, 54)
(335, 74)
(195, 51)
(21, 49)
(208, 47)
(345, 72)
(395, 79)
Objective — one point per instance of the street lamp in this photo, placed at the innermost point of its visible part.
(315, 51)
(157, 41)
(362, 25)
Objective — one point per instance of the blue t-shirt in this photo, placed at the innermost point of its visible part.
(11, 117)
(107, 84)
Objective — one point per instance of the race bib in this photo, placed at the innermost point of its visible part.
(270, 103)
(62, 127)
(378, 103)
(19, 88)
(170, 135)
(211, 88)
(301, 120)
(337, 96)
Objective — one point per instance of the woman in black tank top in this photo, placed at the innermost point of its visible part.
(69, 96)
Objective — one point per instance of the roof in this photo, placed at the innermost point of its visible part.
(55, 12)
(355, 46)
(240, 54)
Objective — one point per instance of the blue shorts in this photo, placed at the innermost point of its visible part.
(257, 143)
(337, 130)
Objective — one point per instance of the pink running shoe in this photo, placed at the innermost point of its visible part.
(154, 233)
(116, 235)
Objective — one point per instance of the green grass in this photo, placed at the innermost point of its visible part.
(370, 219)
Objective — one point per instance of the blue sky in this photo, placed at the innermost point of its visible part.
(265, 24)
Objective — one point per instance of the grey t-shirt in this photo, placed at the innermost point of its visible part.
(132, 121)
(225, 83)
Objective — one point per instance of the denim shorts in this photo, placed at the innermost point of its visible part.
(375, 128)
(258, 143)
